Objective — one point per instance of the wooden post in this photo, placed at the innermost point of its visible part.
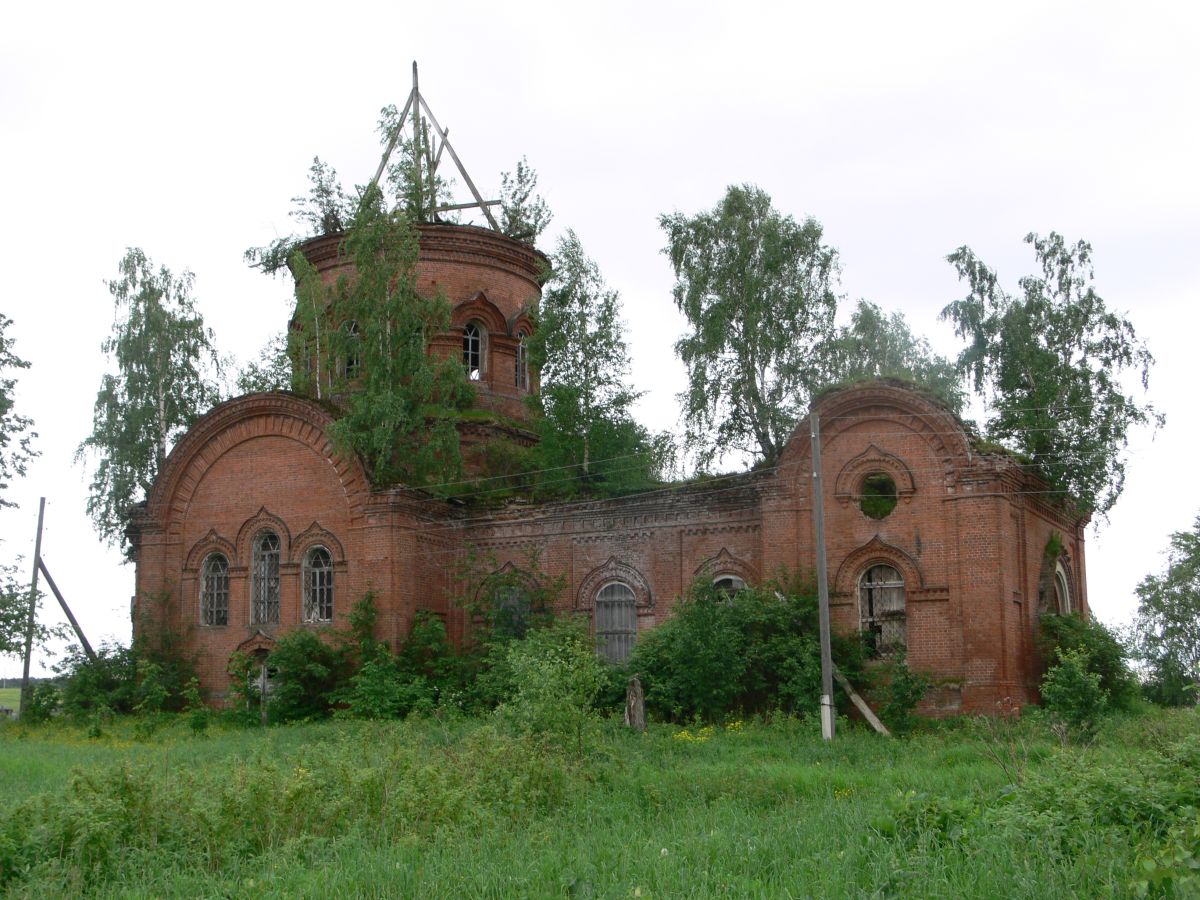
(87, 648)
(33, 591)
(818, 503)
(635, 705)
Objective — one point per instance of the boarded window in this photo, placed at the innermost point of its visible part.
(881, 606)
(318, 585)
(616, 621)
(264, 588)
(473, 351)
(214, 590)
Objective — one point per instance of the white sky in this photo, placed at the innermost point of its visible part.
(905, 129)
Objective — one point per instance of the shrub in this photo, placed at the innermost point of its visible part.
(108, 682)
(307, 674)
(903, 690)
(556, 676)
(42, 702)
(1106, 655)
(1071, 692)
(198, 713)
(756, 651)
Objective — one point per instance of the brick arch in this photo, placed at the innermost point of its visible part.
(894, 404)
(316, 534)
(725, 563)
(259, 643)
(256, 415)
(210, 543)
(848, 484)
(479, 308)
(522, 322)
(876, 551)
(613, 569)
(264, 521)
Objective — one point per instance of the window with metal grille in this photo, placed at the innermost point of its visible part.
(214, 590)
(881, 607)
(616, 621)
(522, 369)
(318, 585)
(264, 581)
(473, 351)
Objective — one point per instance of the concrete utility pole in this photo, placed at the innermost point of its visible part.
(818, 503)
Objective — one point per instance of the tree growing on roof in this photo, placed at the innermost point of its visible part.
(1049, 362)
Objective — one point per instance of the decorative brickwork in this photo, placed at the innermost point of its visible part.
(966, 540)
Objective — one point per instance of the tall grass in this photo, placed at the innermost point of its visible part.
(463, 808)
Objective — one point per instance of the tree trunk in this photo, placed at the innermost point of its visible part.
(635, 705)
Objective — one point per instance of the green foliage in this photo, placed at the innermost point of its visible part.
(165, 378)
(879, 496)
(523, 214)
(42, 703)
(758, 293)
(902, 690)
(1072, 693)
(756, 651)
(384, 417)
(325, 210)
(1050, 364)
(107, 683)
(878, 345)
(557, 676)
(1104, 652)
(589, 438)
(272, 371)
(1167, 626)
(411, 180)
(307, 674)
(198, 713)
(16, 434)
(14, 613)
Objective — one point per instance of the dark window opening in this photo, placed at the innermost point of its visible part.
(879, 495)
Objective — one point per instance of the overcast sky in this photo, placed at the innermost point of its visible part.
(907, 130)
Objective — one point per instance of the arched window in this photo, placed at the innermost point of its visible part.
(512, 607)
(522, 366)
(881, 609)
(318, 585)
(1062, 590)
(214, 590)
(352, 367)
(729, 584)
(616, 621)
(473, 350)
(264, 581)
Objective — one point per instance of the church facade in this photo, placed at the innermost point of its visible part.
(257, 526)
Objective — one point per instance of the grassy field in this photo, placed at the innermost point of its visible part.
(463, 808)
(10, 697)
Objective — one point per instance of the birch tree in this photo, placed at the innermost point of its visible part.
(165, 377)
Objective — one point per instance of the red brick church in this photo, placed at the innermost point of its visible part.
(256, 526)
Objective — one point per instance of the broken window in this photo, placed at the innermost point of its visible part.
(264, 583)
(729, 584)
(522, 366)
(473, 351)
(878, 495)
(318, 585)
(616, 621)
(512, 607)
(214, 590)
(881, 607)
(1062, 590)
(353, 364)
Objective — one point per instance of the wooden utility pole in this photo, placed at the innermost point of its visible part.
(818, 504)
(33, 592)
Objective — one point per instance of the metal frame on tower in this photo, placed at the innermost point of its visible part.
(414, 105)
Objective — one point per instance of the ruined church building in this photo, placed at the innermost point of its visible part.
(255, 525)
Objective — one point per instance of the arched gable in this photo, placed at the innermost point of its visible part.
(243, 419)
(848, 484)
(613, 569)
(264, 520)
(315, 534)
(876, 551)
(479, 308)
(725, 563)
(894, 407)
(210, 543)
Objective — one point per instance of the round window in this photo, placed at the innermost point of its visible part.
(878, 495)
